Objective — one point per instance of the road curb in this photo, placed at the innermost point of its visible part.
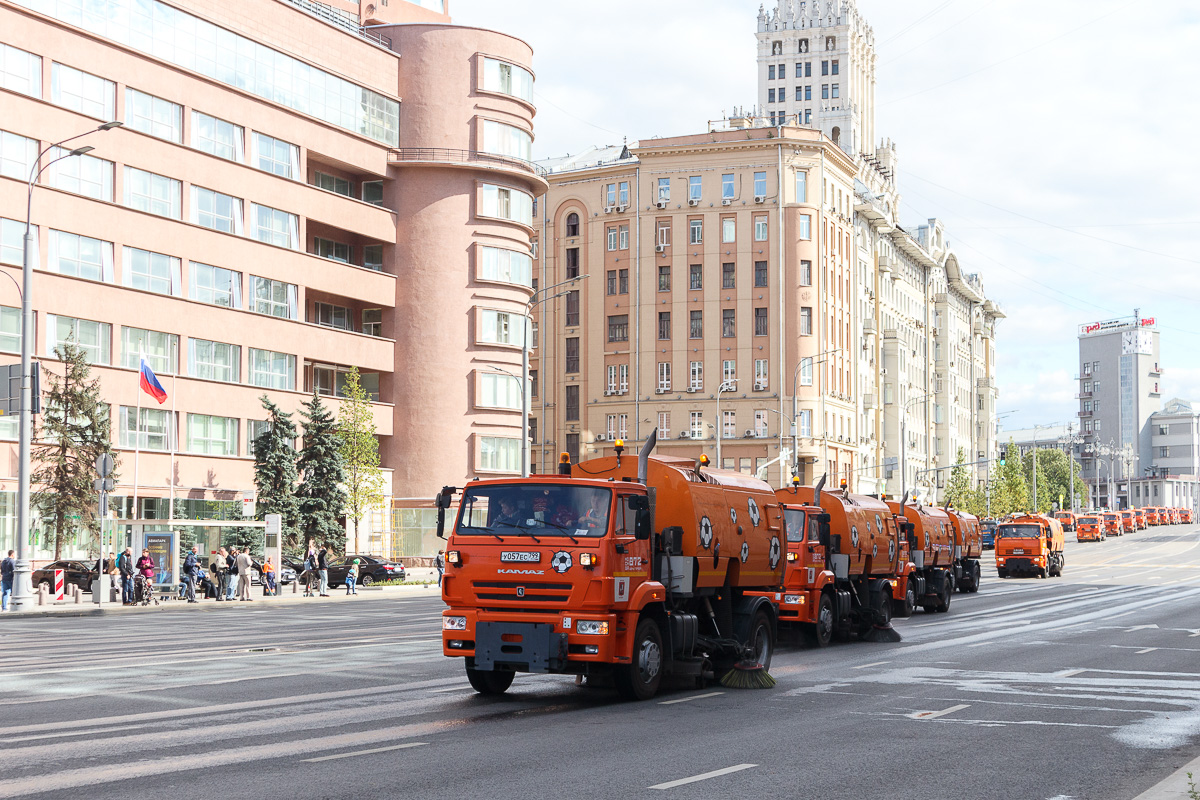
(1175, 787)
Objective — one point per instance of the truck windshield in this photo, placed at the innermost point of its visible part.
(1019, 531)
(537, 510)
(1088, 521)
(793, 519)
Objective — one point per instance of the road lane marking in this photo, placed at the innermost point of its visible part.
(1071, 673)
(936, 714)
(872, 664)
(364, 752)
(687, 700)
(451, 689)
(1146, 650)
(706, 776)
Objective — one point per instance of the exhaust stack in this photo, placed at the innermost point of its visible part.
(644, 456)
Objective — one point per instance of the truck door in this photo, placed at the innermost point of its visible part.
(630, 556)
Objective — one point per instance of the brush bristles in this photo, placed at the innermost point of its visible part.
(747, 677)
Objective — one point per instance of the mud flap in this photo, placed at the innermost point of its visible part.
(523, 646)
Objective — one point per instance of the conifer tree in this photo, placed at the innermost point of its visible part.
(360, 452)
(958, 488)
(1015, 490)
(322, 492)
(275, 472)
(75, 431)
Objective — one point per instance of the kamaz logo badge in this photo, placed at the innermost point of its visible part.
(520, 591)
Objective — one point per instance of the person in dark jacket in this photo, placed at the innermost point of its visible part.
(231, 571)
(126, 568)
(191, 571)
(145, 579)
(323, 567)
(220, 571)
(8, 568)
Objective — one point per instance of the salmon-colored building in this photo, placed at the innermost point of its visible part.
(297, 188)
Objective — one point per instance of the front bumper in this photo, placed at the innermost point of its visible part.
(1018, 564)
(534, 643)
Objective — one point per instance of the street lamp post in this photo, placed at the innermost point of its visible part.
(726, 386)
(904, 440)
(819, 358)
(1036, 428)
(22, 592)
(529, 306)
(1070, 440)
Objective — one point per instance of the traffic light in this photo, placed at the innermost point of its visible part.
(1002, 461)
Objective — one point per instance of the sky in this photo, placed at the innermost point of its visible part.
(1056, 140)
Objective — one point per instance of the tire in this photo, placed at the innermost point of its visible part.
(366, 580)
(490, 682)
(944, 599)
(1001, 574)
(762, 640)
(820, 633)
(975, 579)
(1041, 573)
(640, 679)
(883, 615)
(905, 607)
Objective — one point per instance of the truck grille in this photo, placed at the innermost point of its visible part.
(533, 592)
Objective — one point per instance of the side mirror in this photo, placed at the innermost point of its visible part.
(444, 499)
(643, 524)
(639, 502)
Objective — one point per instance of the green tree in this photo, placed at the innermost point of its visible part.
(75, 431)
(360, 452)
(958, 488)
(1047, 495)
(275, 471)
(322, 491)
(1014, 491)
(1055, 467)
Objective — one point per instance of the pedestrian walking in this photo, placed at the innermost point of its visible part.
(231, 572)
(440, 563)
(352, 578)
(126, 568)
(268, 578)
(114, 572)
(145, 579)
(323, 568)
(220, 570)
(244, 566)
(191, 570)
(310, 570)
(8, 568)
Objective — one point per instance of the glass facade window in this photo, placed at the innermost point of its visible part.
(10, 329)
(664, 189)
(760, 229)
(694, 187)
(728, 230)
(760, 184)
(151, 430)
(153, 115)
(273, 298)
(499, 454)
(20, 71)
(372, 192)
(509, 266)
(500, 327)
(275, 227)
(83, 92)
(86, 175)
(334, 251)
(214, 361)
(499, 391)
(695, 232)
(276, 156)
(272, 370)
(500, 76)
(12, 241)
(373, 257)
(161, 350)
(801, 186)
(218, 137)
(332, 316)
(151, 272)
(212, 436)
(156, 194)
(503, 202)
(80, 256)
(221, 287)
(94, 338)
(16, 155)
(727, 186)
(220, 212)
(372, 321)
(332, 183)
(507, 140)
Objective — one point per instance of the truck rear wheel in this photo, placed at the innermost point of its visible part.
(640, 679)
(975, 575)
(820, 633)
(943, 603)
(490, 682)
(762, 640)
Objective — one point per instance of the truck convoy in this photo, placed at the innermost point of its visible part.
(1029, 544)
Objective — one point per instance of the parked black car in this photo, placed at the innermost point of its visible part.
(371, 569)
(76, 572)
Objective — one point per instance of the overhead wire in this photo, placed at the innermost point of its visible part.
(943, 31)
(916, 22)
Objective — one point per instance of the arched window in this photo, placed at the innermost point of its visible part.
(837, 135)
(572, 224)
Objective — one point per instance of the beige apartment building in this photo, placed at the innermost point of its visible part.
(297, 188)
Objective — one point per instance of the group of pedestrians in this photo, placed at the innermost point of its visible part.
(136, 577)
(227, 564)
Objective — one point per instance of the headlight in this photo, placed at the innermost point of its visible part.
(454, 623)
(592, 626)
(792, 556)
(587, 559)
(454, 557)
(791, 599)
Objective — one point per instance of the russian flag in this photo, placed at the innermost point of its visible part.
(150, 384)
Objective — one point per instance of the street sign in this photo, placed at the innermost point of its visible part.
(105, 464)
(10, 389)
(249, 507)
(104, 484)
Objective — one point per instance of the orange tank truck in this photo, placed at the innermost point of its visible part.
(1128, 522)
(1090, 528)
(1112, 522)
(968, 548)
(929, 535)
(1067, 519)
(843, 561)
(1139, 517)
(1029, 544)
(627, 569)
(1154, 515)
(1186, 516)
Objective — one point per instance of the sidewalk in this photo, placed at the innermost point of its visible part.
(286, 596)
(1175, 787)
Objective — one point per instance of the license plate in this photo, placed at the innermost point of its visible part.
(519, 557)
(1018, 552)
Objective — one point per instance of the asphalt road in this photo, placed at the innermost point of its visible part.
(1087, 686)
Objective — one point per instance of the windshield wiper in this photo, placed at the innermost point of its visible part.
(563, 529)
(488, 531)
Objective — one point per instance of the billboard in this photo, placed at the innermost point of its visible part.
(162, 550)
(1115, 325)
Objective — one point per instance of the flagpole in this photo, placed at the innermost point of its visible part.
(137, 434)
(172, 430)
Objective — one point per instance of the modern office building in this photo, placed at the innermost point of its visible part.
(267, 218)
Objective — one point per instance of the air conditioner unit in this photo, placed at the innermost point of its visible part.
(660, 391)
(693, 201)
(660, 248)
(609, 209)
(751, 434)
(760, 198)
(621, 209)
(760, 387)
(600, 437)
(692, 390)
(661, 204)
(609, 392)
(685, 434)
(727, 201)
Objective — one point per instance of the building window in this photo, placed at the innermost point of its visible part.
(572, 262)
(331, 316)
(372, 192)
(500, 76)
(727, 179)
(80, 256)
(836, 93)
(333, 183)
(760, 373)
(806, 372)
(760, 184)
(272, 370)
(1087, 368)
(218, 137)
(623, 387)
(611, 284)
(152, 429)
(612, 239)
(501, 327)
(214, 361)
(156, 194)
(572, 315)
(533, 383)
(571, 355)
(696, 424)
(825, 91)
(728, 323)
(727, 276)
(275, 227)
(273, 298)
(664, 234)
(572, 404)
(696, 328)
(507, 140)
(503, 202)
(771, 72)
(499, 454)
(153, 115)
(728, 371)
(623, 281)
(373, 258)
(213, 436)
(805, 420)
(760, 322)
(220, 212)
(760, 273)
(695, 231)
(1164, 452)
(805, 226)
(281, 158)
(664, 189)
(20, 71)
(695, 276)
(334, 251)
(220, 287)
(623, 236)
(806, 321)
(664, 279)
(152, 272)
(824, 67)
(499, 391)
(623, 193)
(93, 338)
(806, 273)
(801, 186)
(664, 376)
(572, 224)
(760, 229)
(610, 427)
(86, 175)
(696, 376)
(618, 328)
(10, 325)
(16, 156)
(664, 325)
(612, 379)
(160, 349)
(372, 321)
(833, 66)
(760, 424)
(664, 425)
(83, 92)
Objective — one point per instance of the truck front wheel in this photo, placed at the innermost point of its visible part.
(820, 633)
(905, 607)
(762, 640)
(490, 682)
(640, 680)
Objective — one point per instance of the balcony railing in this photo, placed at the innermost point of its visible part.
(450, 156)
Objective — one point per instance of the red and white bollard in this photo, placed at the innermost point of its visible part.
(59, 580)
